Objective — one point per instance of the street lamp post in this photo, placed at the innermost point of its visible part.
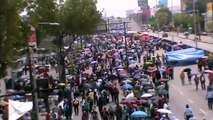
(34, 87)
(195, 23)
(126, 49)
(172, 20)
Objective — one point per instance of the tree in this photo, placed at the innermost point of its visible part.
(164, 17)
(13, 32)
(184, 20)
(210, 26)
(78, 17)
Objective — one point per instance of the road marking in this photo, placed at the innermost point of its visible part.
(201, 110)
(173, 86)
(191, 101)
(180, 92)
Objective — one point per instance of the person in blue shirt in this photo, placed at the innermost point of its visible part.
(188, 112)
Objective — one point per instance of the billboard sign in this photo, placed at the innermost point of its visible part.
(210, 10)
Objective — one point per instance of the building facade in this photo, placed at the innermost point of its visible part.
(162, 3)
(145, 13)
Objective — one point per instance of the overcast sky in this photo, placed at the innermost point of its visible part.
(118, 7)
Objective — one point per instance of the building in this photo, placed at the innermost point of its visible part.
(130, 12)
(145, 13)
(162, 3)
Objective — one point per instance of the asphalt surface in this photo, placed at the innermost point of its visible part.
(182, 95)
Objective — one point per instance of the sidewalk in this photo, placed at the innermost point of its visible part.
(205, 39)
(202, 45)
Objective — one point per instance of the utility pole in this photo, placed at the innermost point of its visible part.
(126, 49)
(195, 23)
(34, 87)
(172, 21)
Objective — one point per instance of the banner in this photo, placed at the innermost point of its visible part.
(18, 109)
(209, 7)
(209, 10)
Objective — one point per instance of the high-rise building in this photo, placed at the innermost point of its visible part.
(145, 10)
(163, 3)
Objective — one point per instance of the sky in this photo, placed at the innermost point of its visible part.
(118, 8)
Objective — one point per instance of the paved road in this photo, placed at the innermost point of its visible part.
(201, 45)
(182, 95)
(206, 39)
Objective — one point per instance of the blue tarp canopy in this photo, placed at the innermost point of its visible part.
(182, 51)
(185, 55)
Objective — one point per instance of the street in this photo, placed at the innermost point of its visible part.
(182, 95)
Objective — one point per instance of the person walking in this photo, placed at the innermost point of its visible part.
(76, 106)
(188, 112)
(202, 81)
(209, 97)
(196, 80)
(182, 77)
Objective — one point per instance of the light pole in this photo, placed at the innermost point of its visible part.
(126, 49)
(46, 96)
(195, 23)
(172, 19)
(34, 87)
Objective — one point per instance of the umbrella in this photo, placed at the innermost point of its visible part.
(16, 97)
(132, 62)
(208, 71)
(187, 70)
(94, 62)
(146, 95)
(143, 101)
(139, 114)
(128, 101)
(10, 91)
(162, 91)
(161, 87)
(127, 86)
(87, 85)
(127, 81)
(120, 67)
(109, 85)
(165, 111)
(131, 95)
(132, 65)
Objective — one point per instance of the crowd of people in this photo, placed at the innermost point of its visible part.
(104, 88)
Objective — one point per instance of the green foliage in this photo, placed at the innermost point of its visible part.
(76, 17)
(210, 26)
(79, 17)
(164, 17)
(185, 20)
(13, 32)
(41, 11)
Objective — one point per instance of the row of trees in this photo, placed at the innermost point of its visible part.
(163, 17)
(75, 18)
